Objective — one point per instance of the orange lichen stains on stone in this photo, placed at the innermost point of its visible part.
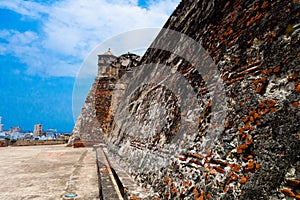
(225, 188)
(261, 105)
(208, 153)
(245, 119)
(194, 155)
(174, 191)
(241, 147)
(182, 158)
(259, 84)
(195, 191)
(256, 81)
(236, 168)
(226, 125)
(258, 122)
(137, 198)
(295, 104)
(268, 135)
(247, 126)
(267, 71)
(277, 69)
(293, 77)
(265, 111)
(218, 169)
(241, 131)
(253, 19)
(185, 183)
(273, 110)
(220, 162)
(167, 194)
(259, 88)
(263, 79)
(293, 182)
(250, 166)
(166, 179)
(287, 192)
(252, 113)
(201, 197)
(255, 8)
(256, 116)
(257, 166)
(200, 119)
(195, 162)
(234, 177)
(297, 89)
(243, 180)
(242, 103)
(270, 102)
(208, 196)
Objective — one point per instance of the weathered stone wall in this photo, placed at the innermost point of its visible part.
(109, 89)
(87, 127)
(256, 48)
(95, 119)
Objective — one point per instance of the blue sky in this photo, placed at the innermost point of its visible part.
(43, 45)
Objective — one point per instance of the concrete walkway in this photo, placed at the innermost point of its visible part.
(47, 172)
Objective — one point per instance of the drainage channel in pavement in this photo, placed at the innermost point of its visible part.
(114, 182)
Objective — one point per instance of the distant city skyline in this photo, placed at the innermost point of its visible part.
(44, 43)
(32, 129)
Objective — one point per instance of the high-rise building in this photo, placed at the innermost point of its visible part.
(51, 133)
(38, 130)
(1, 125)
(15, 129)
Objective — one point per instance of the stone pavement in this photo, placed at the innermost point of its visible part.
(47, 172)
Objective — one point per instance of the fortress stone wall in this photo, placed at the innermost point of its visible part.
(246, 144)
(95, 119)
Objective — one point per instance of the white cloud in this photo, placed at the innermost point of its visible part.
(26, 8)
(26, 47)
(72, 28)
(15, 37)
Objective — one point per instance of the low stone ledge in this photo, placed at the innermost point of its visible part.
(36, 142)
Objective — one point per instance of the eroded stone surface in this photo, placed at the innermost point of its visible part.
(255, 155)
(95, 119)
(255, 45)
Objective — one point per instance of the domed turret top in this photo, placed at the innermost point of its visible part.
(108, 53)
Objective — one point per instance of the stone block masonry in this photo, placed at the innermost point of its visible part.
(95, 119)
(255, 46)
